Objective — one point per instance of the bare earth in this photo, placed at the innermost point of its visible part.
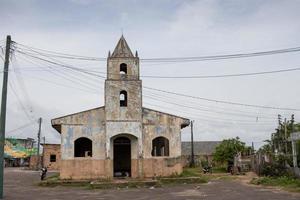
(20, 184)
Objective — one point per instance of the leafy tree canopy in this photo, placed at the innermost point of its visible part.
(228, 148)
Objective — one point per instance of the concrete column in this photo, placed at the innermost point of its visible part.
(107, 148)
(140, 157)
(294, 148)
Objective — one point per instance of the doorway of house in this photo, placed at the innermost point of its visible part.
(122, 157)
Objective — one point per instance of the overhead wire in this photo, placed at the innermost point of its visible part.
(22, 85)
(62, 55)
(177, 59)
(60, 84)
(222, 101)
(212, 107)
(174, 93)
(209, 118)
(19, 101)
(204, 109)
(205, 76)
(64, 77)
(21, 127)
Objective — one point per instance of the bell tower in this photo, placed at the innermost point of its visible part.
(123, 87)
(123, 108)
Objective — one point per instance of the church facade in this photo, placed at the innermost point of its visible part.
(121, 138)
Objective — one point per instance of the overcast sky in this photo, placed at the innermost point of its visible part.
(168, 28)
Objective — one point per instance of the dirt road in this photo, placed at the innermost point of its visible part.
(20, 185)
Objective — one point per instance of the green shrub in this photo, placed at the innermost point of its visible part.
(286, 182)
(274, 169)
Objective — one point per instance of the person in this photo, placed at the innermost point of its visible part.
(43, 173)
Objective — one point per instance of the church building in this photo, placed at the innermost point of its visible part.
(121, 138)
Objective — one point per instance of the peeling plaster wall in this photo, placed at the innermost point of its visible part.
(132, 130)
(113, 68)
(156, 124)
(88, 124)
(112, 100)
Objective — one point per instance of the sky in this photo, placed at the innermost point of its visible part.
(157, 29)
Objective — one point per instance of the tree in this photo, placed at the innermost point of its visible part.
(266, 148)
(228, 148)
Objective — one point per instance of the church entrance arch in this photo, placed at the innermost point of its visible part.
(122, 156)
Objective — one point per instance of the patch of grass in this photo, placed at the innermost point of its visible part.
(183, 180)
(219, 170)
(130, 184)
(53, 177)
(288, 183)
(191, 172)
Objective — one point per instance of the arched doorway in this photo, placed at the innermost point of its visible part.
(122, 157)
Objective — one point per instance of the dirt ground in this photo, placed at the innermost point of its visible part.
(21, 185)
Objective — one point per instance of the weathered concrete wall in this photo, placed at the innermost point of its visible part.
(85, 168)
(48, 150)
(161, 166)
(113, 68)
(93, 117)
(112, 100)
(88, 168)
(156, 124)
(86, 124)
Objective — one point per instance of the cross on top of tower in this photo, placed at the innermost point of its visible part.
(122, 49)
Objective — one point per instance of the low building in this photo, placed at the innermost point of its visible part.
(203, 151)
(17, 151)
(51, 156)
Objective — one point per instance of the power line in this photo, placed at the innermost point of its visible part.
(20, 102)
(226, 109)
(211, 110)
(199, 76)
(22, 86)
(61, 85)
(21, 127)
(207, 76)
(171, 59)
(213, 120)
(60, 55)
(206, 116)
(79, 82)
(170, 92)
(158, 98)
(223, 57)
(221, 101)
(224, 75)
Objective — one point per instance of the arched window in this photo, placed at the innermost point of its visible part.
(83, 147)
(123, 68)
(123, 98)
(160, 146)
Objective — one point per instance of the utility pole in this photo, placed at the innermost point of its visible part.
(285, 136)
(3, 112)
(43, 156)
(192, 146)
(38, 165)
